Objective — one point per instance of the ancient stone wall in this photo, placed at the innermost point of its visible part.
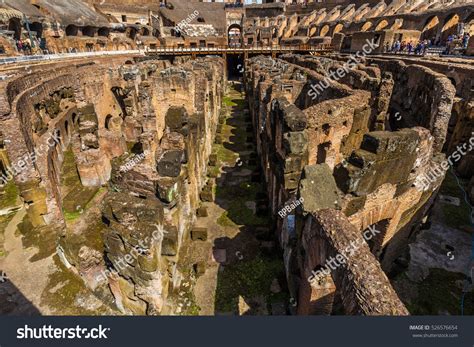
(142, 131)
(333, 143)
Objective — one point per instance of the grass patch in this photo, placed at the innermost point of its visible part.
(63, 290)
(237, 212)
(44, 238)
(228, 101)
(248, 279)
(225, 221)
(9, 196)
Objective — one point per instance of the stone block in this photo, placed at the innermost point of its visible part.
(318, 189)
(198, 233)
(202, 212)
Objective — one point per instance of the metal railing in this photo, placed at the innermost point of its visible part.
(244, 48)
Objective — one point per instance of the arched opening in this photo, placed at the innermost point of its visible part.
(144, 31)
(74, 118)
(108, 118)
(88, 31)
(397, 24)
(312, 31)
(132, 33)
(376, 241)
(324, 31)
(338, 28)
(14, 24)
(105, 32)
(469, 24)
(72, 30)
(37, 28)
(382, 24)
(66, 127)
(430, 28)
(366, 26)
(450, 27)
(234, 35)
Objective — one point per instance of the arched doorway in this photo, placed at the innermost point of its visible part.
(88, 31)
(338, 28)
(450, 27)
(324, 31)
(430, 28)
(469, 24)
(234, 34)
(72, 30)
(382, 24)
(37, 28)
(14, 24)
(104, 31)
(366, 26)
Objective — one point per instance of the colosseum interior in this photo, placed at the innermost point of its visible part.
(191, 158)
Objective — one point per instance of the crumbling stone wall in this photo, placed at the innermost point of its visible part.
(160, 117)
(341, 151)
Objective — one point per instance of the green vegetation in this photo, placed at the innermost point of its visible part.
(440, 292)
(4, 221)
(224, 220)
(237, 212)
(227, 101)
(9, 196)
(249, 279)
(63, 290)
(455, 216)
(44, 238)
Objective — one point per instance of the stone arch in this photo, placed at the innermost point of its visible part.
(324, 30)
(430, 28)
(144, 31)
(450, 26)
(381, 25)
(72, 30)
(104, 31)
(38, 28)
(338, 28)
(366, 26)
(469, 24)
(107, 121)
(397, 24)
(234, 34)
(89, 31)
(14, 24)
(132, 33)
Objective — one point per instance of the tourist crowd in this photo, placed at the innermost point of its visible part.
(422, 45)
(32, 46)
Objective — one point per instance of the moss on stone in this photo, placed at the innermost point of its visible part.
(455, 216)
(9, 195)
(249, 279)
(63, 290)
(446, 298)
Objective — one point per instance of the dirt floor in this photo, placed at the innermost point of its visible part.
(238, 270)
